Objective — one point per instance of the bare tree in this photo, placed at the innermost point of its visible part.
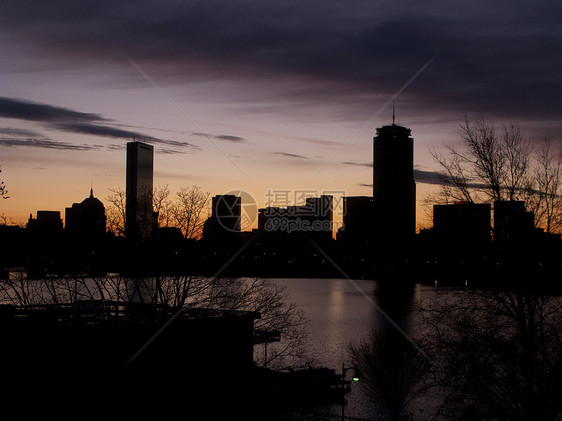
(499, 165)
(162, 204)
(188, 212)
(6, 220)
(484, 154)
(494, 164)
(3, 190)
(497, 354)
(277, 314)
(517, 151)
(392, 372)
(191, 210)
(116, 210)
(545, 191)
(454, 176)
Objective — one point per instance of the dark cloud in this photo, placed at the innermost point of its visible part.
(427, 177)
(500, 57)
(230, 138)
(361, 164)
(46, 144)
(225, 137)
(32, 111)
(113, 132)
(290, 155)
(67, 120)
(9, 131)
(421, 176)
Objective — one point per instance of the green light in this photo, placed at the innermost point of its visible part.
(355, 378)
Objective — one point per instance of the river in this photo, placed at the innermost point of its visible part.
(341, 312)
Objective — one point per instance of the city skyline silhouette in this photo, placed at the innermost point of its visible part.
(281, 210)
(381, 234)
(279, 120)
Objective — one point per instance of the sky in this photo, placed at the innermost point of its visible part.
(260, 96)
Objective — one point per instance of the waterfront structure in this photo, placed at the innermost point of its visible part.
(139, 216)
(394, 187)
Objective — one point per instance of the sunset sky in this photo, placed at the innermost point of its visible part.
(258, 95)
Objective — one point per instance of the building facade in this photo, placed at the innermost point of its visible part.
(86, 220)
(225, 219)
(314, 219)
(394, 187)
(463, 223)
(139, 216)
(357, 221)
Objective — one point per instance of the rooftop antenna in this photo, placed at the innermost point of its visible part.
(393, 114)
(91, 186)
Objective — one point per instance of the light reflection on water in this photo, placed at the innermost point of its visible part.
(341, 312)
(337, 314)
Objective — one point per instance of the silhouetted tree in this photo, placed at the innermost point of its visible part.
(277, 312)
(491, 163)
(545, 192)
(497, 355)
(391, 372)
(162, 205)
(456, 182)
(190, 210)
(116, 211)
(3, 190)
(499, 165)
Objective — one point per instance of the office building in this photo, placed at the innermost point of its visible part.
(357, 221)
(139, 215)
(512, 222)
(46, 222)
(394, 188)
(467, 224)
(225, 219)
(314, 219)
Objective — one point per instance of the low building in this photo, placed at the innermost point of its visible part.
(512, 222)
(46, 222)
(463, 223)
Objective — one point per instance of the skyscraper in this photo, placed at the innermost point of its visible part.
(394, 188)
(139, 216)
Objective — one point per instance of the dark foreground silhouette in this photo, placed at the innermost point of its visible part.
(140, 360)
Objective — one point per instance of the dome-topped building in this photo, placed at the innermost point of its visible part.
(86, 220)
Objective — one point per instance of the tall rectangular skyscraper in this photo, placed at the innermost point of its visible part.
(139, 212)
(394, 187)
